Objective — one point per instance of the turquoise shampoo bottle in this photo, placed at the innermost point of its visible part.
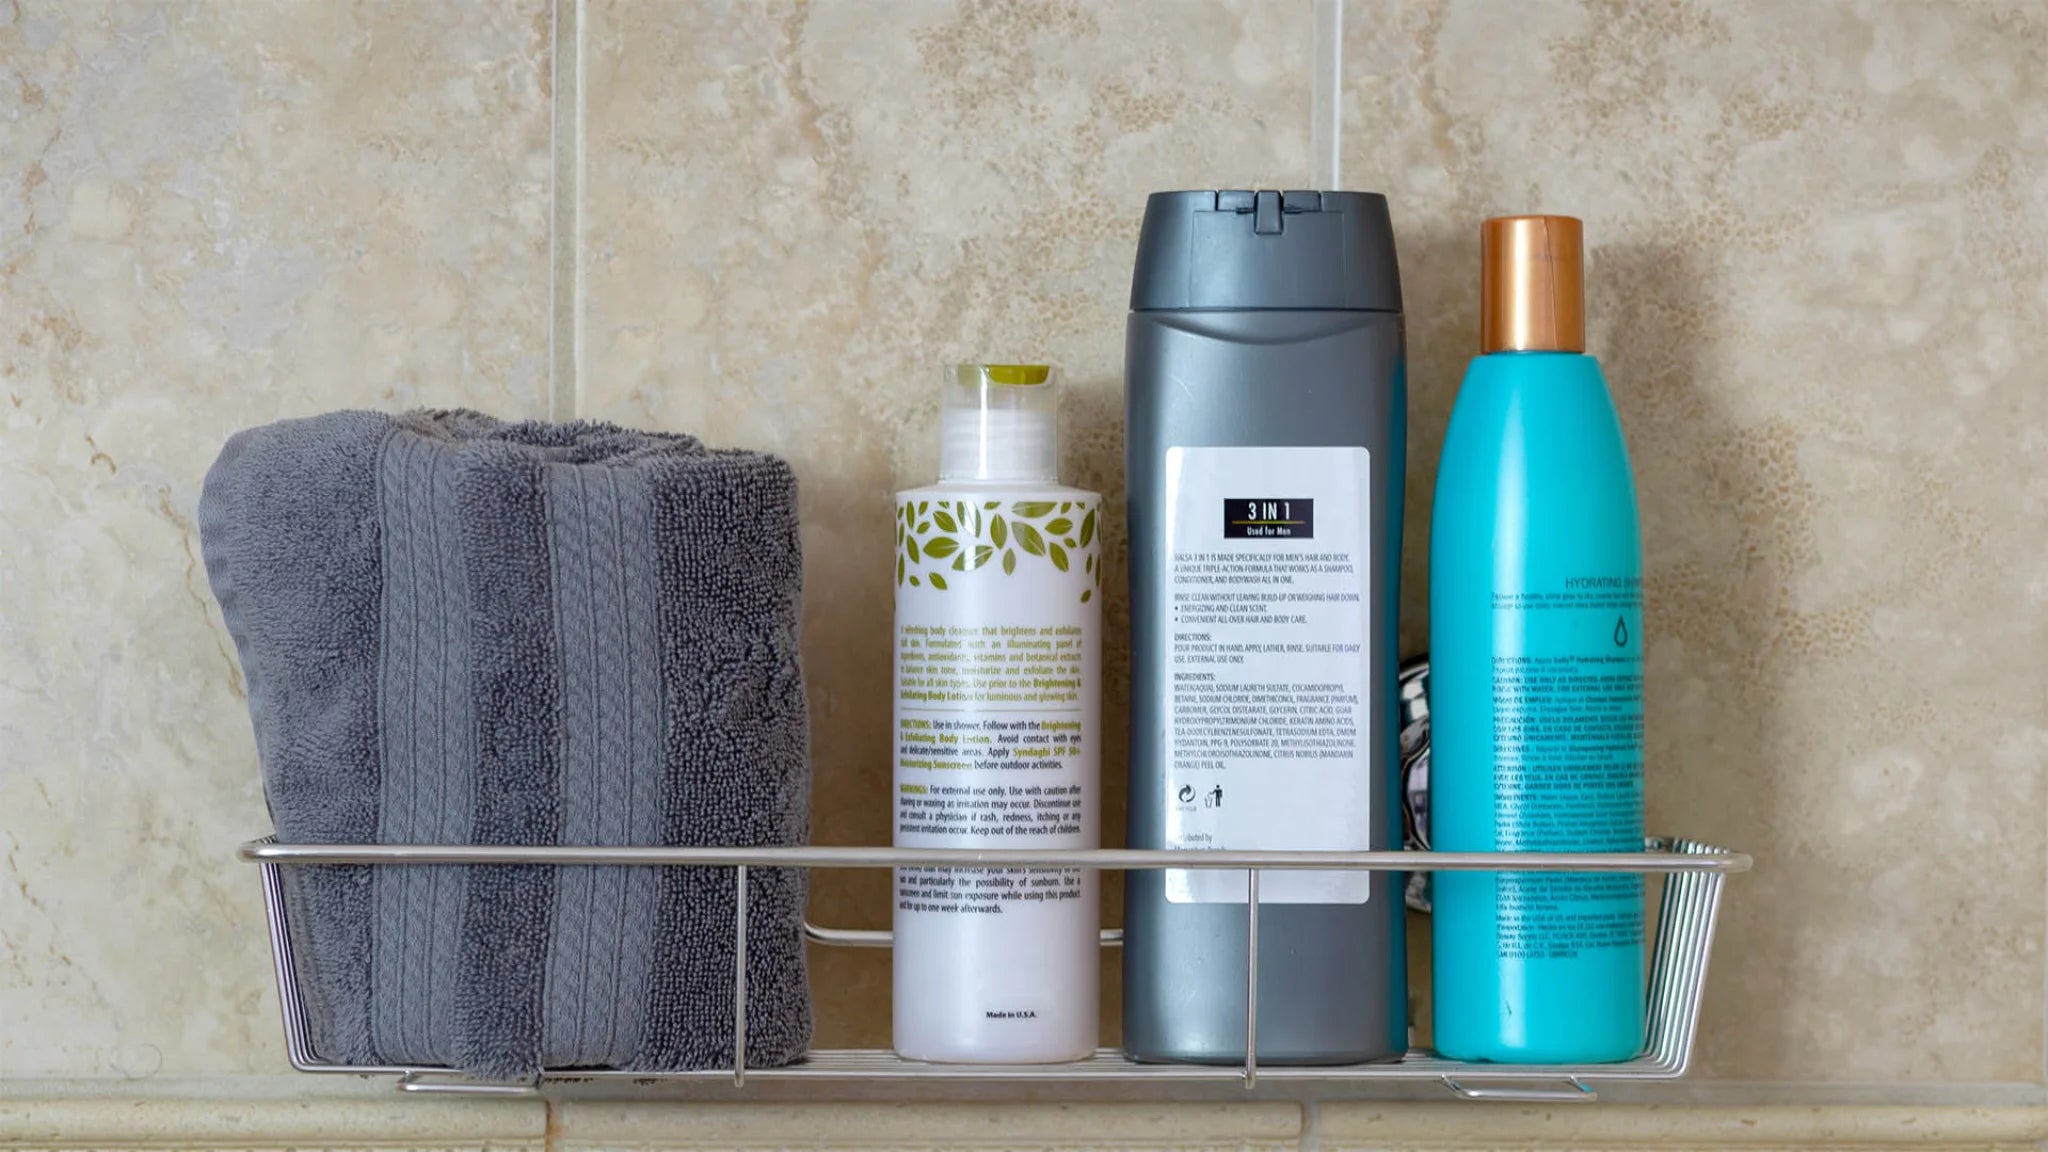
(1536, 693)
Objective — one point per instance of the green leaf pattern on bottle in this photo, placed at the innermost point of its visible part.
(963, 536)
(1028, 538)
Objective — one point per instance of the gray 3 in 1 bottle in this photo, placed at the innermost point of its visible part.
(1265, 451)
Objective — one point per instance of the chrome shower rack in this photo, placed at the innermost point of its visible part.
(1692, 875)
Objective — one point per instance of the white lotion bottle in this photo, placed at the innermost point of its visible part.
(997, 732)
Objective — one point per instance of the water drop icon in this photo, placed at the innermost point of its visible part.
(1620, 632)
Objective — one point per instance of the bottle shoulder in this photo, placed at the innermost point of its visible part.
(1538, 430)
(997, 490)
(1533, 369)
(1263, 325)
(1556, 394)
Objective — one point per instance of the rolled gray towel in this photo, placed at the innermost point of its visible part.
(457, 630)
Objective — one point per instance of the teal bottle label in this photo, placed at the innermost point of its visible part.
(1568, 717)
(1568, 763)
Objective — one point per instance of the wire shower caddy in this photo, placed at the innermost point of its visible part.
(1692, 874)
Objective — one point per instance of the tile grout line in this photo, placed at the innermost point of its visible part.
(1326, 97)
(582, 150)
(565, 212)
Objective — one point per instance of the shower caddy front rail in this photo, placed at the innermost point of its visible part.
(1693, 876)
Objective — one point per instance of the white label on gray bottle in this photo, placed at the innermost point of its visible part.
(1267, 637)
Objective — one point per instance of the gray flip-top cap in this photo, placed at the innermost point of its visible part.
(1329, 251)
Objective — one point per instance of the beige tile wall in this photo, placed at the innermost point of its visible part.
(796, 218)
(1819, 245)
(1818, 240)
(213, 215)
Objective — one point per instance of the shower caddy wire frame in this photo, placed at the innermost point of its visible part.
(1693, 875)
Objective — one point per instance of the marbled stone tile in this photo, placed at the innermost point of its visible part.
(1359, 1127)
(1818, 256)
(799, 215)
(215, 215)
(1272, 1126)
(249, 1112)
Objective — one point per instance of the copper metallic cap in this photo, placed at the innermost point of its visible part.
(1532, 285)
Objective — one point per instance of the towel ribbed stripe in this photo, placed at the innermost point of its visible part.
(428, 791)
(398, 956)
(603, 917)
(387, 936)
(424, 770)
(454, 742)
(569, 540)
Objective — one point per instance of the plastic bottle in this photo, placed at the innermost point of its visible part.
(1536, 678)
(997, 736)
(1265, 453)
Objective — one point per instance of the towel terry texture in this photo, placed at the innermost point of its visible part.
(456, 630)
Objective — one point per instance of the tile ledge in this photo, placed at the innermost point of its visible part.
(1679, 1126)
(170, 1117)
(77, 1120)
(1253, 1126)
